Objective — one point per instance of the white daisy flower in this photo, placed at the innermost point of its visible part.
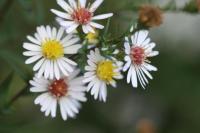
(48, 48)
(137, 51)
(77, 12)
(100, 73)
(67, 92)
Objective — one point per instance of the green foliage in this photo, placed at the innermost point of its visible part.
(191, 7)
(16, 64)
(4, 89)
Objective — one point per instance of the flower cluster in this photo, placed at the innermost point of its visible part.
(58, 74)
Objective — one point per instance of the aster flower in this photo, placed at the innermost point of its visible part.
(150, 16)
(48, 48)
(79, 13)
(101, 72)
(137, 51)
(66, 92)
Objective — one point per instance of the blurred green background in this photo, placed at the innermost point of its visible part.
(169, 105)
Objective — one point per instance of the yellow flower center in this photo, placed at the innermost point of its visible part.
(92, 37)
(105, 71)
(52, 49)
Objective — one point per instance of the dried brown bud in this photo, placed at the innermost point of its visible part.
(198, 4)
(146, 126)
(150, 16)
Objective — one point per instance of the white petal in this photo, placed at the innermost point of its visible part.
(33, 59)
(147, 73)
(48, 29)
(41, 97)
(103, 16)
(126, 66)
(36, 89)
(66, 66)
(152, 54)
(61, 14)
(72, 28)
(86, 80)
(79, 96)
(31, 47)
(66, 39)
(90, 29)
(127, 48)
(104, 92)
(96, 25)
(62, 68)
(150, 67)
(129, 74)
(64, 6)
(42, 69)
(95, 5)
(54, 33)
(47, 69)
(74, 74)
(33, 40)
(71, 42)
(63, 111)
(31, 53)
(69, 61)
(85, 30)
(73, 3)
(56, 70)
(53, 108)
(82, 3)
(60, 34)
(65, 23)
(72, 49)
(134, 78)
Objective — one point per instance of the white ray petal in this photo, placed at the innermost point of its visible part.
(61, 14)
(72, 27)
(83, 3)
(60, 34)
(33, 59)
(95, 5)
(31, 47)
(96, 25)
(73, 49)
(33, 40)
(41, 97)
(64, 6)
(103, 16)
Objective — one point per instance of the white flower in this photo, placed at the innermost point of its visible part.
(66, 92)
(79, 13)
(137, 50)
(48, 48)
(100, 73)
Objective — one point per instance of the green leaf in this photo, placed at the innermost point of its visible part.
(4, 88)
(191, 7)
(170, 6)
(107, 27)
(16, 63)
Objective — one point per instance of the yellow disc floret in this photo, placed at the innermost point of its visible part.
(92, 37)
(52, 49)
(105, 71)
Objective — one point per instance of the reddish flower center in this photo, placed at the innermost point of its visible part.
(58, 88)
(137, 55)
(82, 15)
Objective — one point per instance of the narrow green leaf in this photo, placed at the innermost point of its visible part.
(16, 63)
(107, 27)
(4, 88)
